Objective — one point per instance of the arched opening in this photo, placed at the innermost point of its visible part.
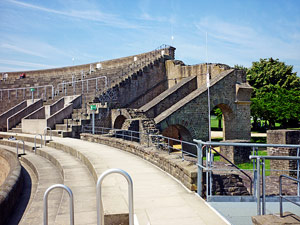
(119, 122)
(179, 132)
(221, 117)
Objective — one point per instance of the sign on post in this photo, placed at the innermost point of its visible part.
(93, 108)
(32, 90)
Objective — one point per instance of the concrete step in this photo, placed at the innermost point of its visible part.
(16, 130)
(62, 127)
(47, 174)
(77, 177)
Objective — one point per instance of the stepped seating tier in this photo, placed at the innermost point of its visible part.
(153, 204)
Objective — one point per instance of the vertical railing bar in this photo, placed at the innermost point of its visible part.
(298, 172)
(45, 134)
(258, 187)
(100, 216)
(35, 142)
(263, 178)
(71, 202)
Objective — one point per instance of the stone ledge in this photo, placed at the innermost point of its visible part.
(288, 218)
(184, 171)
(12, 186)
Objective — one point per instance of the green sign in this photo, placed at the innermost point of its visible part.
(93, 107)
(32, 89)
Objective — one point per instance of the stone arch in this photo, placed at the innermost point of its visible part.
(180, 132)
(119, 121)
(228, 119)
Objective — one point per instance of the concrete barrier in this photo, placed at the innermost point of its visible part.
(17, 117)
(4, 116)
(11, 188)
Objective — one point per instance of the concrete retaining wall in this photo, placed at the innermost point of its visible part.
(4, 116)
(16, 118)
(12, 186)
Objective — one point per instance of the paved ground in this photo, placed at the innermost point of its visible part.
(158, 198)
(219, 134)
(239, 213)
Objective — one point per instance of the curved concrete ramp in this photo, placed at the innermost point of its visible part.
(158, 198)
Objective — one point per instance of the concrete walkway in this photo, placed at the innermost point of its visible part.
(158, 198)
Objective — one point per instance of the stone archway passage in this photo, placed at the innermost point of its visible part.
(119, 122)
(181, 133)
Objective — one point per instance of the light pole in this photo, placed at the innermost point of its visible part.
(208, 94)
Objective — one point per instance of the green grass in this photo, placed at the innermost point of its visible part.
(250, 165)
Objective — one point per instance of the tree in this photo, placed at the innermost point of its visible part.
(276, 92)
(218, 113)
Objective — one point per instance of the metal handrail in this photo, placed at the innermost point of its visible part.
(71, 205)
(261, 206)
(100, 216)
(246, 144)
(35, 142)
(64, 84)
(24, 88)
(45, 133)
(280, 193)
(18, 147)
(251, 182)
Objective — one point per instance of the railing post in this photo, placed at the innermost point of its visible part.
(100, 216)
(35, 142)
(254, 172)
(280, 196)
(93, 122)
(263, 187)
(169, 146)
(298, 172)
(45, 133)
(258, 186)
(200, 169)
(71, 205)
(18, 147)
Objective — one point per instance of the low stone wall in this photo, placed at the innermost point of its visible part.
(12, 186)
(184, 171)
(283, 137)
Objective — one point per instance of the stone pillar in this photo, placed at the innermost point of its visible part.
(236, 154)
(283, 137)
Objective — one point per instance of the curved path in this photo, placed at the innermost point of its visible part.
(159, 199)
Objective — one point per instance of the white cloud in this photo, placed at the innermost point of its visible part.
(22, 50)
(24, 64)
(91, 14)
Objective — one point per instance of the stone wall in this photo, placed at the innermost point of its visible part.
(191, 112)
(147, 84)
(176, 70)
(11, 187)
(283, 137)
(236, 154)
(184, 171)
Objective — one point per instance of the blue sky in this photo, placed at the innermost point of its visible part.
(47, 34)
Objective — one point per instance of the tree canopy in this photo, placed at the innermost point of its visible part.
(276, 95)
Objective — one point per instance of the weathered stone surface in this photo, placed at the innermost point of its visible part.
(288, 218)
(283, 137)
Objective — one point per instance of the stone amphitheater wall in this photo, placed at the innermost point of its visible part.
(11, 187)
(86, 67)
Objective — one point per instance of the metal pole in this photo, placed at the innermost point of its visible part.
(254, 173)
(298, 173)
(258, 186)
(200, 169)
(100, 216)
(32, 96)
(93, 121)
(280, 196)
(263, 178)
(207, 180)
(71, 204)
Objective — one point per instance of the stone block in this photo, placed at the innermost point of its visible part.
(236, 154)
(283, 137)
